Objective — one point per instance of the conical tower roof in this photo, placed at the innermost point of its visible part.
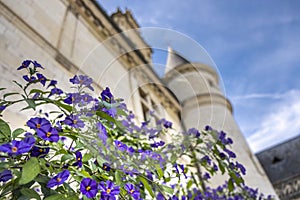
(174, 59)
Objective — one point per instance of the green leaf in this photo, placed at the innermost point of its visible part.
(31, 103)
(4, 130)
(84, 173)
(230, 185)
(167, 189)
(17, 132)
(147, 186)
(64, 106)
(30, 193)
(118, 177)
(36, 91)
(55, 197)
(18, 84)
(159, 171)
(9, 94)
(66, 157)
(30, 170)
(189, 184)
(86, 157)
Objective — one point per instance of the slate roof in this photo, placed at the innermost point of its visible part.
(282, 161)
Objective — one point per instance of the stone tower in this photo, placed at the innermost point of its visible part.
(196, 87)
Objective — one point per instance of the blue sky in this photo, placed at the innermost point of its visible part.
(256, 47)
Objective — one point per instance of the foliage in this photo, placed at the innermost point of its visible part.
(87, 147)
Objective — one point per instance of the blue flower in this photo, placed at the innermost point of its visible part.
(5, 175)
(42, 79)
(37, 65)
(24, 65)
(89, 187)
(29, 80)
(52, 83)
(59, 179)
(38, 123)
(78, 159)
(74, 121)
(106, 167)
(40, 152)
(15, 147)
(102, 134)
(56, 91)
(2, 107)
(48, 133)
(167, 124)
(82, 80)
(73, 98)
(108, 189)
(130, 188)
(121, 146)
(106, 95)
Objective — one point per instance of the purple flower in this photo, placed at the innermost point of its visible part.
(241, 167)
(52, 83)
(167, 124)
(24, 65)
(29, 80)
(82, 80)
(72, 98)
(106, 167)
(40, 152)
(5, 175)
(15, 147)
(59, 179)
(2, 107)
(78, 159)
(132, 191)
(85, 98)
(37, 65)
(193, 131)
(102, 134)
(48, 133)
(160, 196)
(56, 91)
(230, 153)
(89, 187)
(38, 123)
(111, 111)
(121, 146)
(74, 121)
(106, 95)
(29, 139)
(108, 189)
(42, 79)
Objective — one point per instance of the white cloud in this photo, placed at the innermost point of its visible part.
(281, 124)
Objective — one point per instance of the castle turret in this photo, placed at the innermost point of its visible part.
(196, 87)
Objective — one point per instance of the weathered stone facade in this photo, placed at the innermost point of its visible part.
(77, 36)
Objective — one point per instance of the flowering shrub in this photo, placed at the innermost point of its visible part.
(91, 147)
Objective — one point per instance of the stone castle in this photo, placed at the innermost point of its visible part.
(78, 37)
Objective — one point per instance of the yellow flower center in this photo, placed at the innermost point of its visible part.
(74, 121)
(48, 134)
(78, 159)
(38, 125)
(108, 191)
(131, 191)
(88, 188)
(104, 167)
(119, 145)
(58, 179)
(14, 149)
(41, 150)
